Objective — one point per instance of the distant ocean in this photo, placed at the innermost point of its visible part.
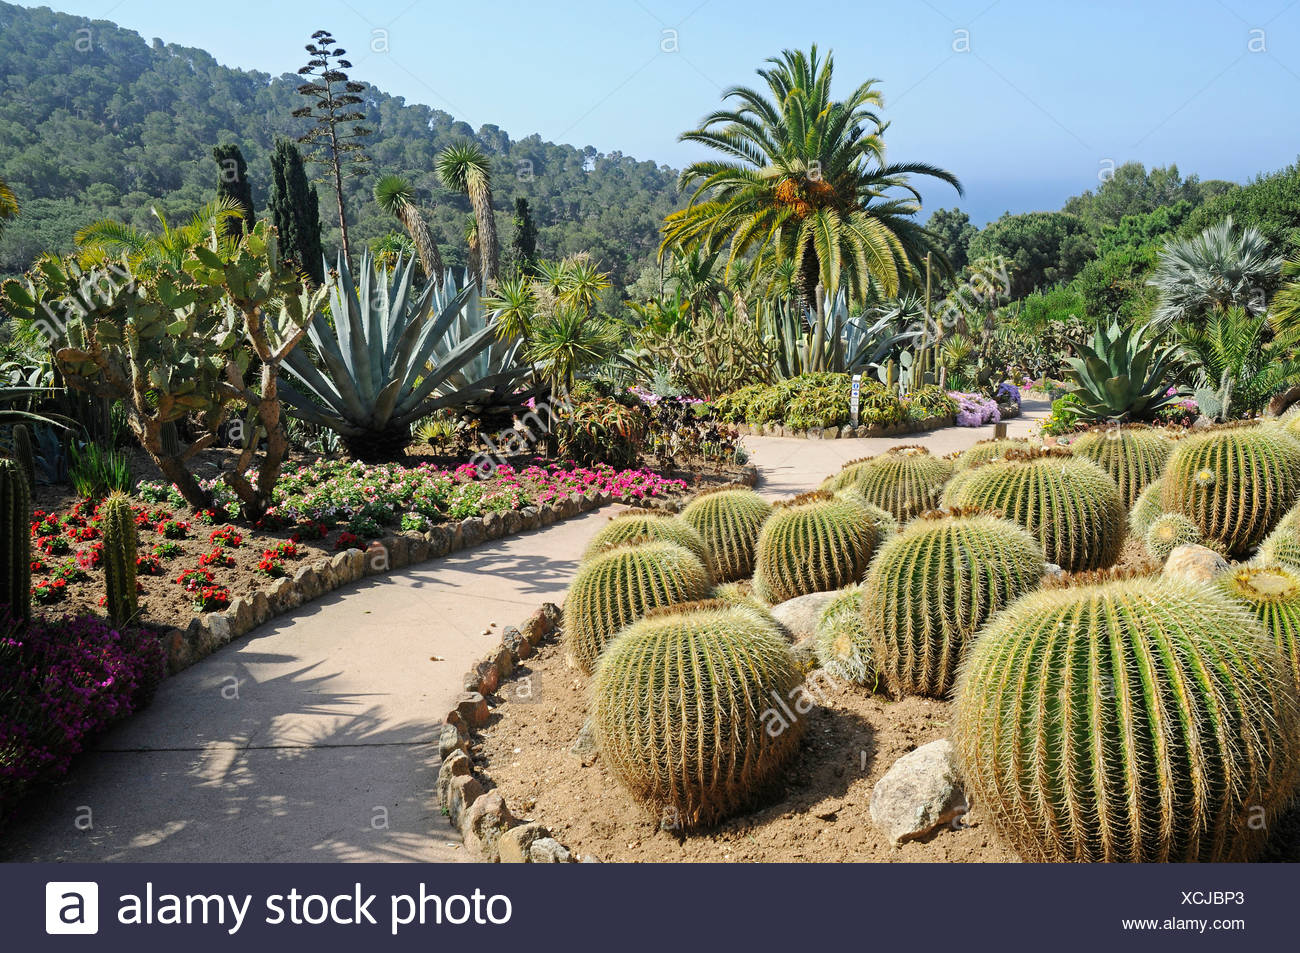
(987, 198)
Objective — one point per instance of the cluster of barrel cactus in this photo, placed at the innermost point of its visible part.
(1169, 531)
(647, 524)
(903, 480)
(843, 645)
(1133, 456)
(728, 520)
(816, 542)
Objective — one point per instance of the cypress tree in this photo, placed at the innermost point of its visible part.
(295, 210)
(232, 183)
(523, 244)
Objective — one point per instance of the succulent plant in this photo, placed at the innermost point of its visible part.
(647, 524)
(1146, 510)
(15, 522)
(618, 586)
(1140, 720)
(117, 523)
(389, 357)
(842, 643)
(1133, 456)
(24, 455)
(884, 521)
(697, 710)
(812, 543)
(1169, 531)
(1122, 374)
(1234, 483)
(729, 521)
(932, 588)
(903, 480)
(987, 450)
(1273, 594)
(1282, 546)
(1069, 503)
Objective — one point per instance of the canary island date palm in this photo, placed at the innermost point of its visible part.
(396, 197)
(465, 168)
(804, 178)
(390, 357)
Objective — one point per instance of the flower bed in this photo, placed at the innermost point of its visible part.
(975, 410)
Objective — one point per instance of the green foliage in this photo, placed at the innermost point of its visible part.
(684, 707)
(632, 525)
(1114, 286)
(932, 588)
(295, 211)
(904, 481)
(813, 543)
(95, 472)
(1238, 365)
(729, 521)
(1064, 417)
(828, 340)
(1057, 304)
(1169, 531)
(707, 353)
(15, 522)
(1269, 203)
(1141, 720)
(1040, 248)
(1272, 592)
(1216, 270)
(1133, 456)
(117, 523)
(1131, 192)
(843, 645)
(1069, 503)
(389, 357)
(1122, 374)
(1235, 484)
(617, 587)
(601, 430)
(953, 232)
(523, 243)
(232, 185)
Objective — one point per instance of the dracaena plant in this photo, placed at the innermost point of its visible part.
(1121, 374)
(392, 356)
(178, 339)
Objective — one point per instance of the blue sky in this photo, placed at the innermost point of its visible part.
(1027, 105)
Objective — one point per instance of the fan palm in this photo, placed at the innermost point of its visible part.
(396, 197)
(465, 168)
(1214, 271)
(106, 239)
(805, 180)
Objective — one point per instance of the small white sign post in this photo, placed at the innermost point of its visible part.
(853, 398)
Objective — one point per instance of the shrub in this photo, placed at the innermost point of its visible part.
(813, 543)
(932, 587)
(1130, 720)
(689, 709)
(729, 521)
(96, 472)
(601, 430)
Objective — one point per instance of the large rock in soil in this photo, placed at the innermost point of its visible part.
(919, 793)
(799, 615)
(1194, 563)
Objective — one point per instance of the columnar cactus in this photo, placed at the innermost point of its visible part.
(1069, 503)
(696, 710)
(729, 521)
(813, 543)
(1282, 546)
(987, 450)
(843, 645)
(618, 586)
(1133, 456)
(1146, 510)
(1273, 594)
(932, 587)
(117, 523)
(1168, 532)
(903, 480)
(24, 454)
(1140, 719)
(647, 524)
(15, 524)
(1235, 483)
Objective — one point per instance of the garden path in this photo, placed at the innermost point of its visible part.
(314, 737)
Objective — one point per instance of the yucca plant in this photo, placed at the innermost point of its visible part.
(1123, 374)
(392, 357)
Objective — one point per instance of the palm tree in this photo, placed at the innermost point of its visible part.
(396, 197)
(697, 280)
(569, 341)
(1286, 303)
(581, 282)
(105, 239)
(1212, 272)
(804, 179)
(1236, 368)
(8, 205)
(514, 302)
(465, 168)
(388, 250)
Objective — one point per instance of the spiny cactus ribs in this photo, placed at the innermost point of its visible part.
(618, 586)
(813, 543)
(1133, 456)
(902, 480)
(843, 645)
(117, 522)
(1135, 720)
(1146, 510)
(1273, 594)
(1069, 503)
(692, 710)
(987, 450)
(15, 520)
(1168, 532)
(729, 521)
(647, 524)
(933, 586)
(1234, 483)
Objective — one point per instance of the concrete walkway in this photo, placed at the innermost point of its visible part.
(314, 737)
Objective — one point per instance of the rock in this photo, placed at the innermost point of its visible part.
(261, 608)
(462, 792)
(472, 709)
(307, 583)
(455, 765)
(846, 432)
(341, 564)
(325, 576)
(799, 615)
(584, 746)
(240, 614)
(417, 549)
(450, 740)
(471, 531)
(1194, 563)
(1051, 569)
(514, 844)
(484, 823)
(514, 640)
(398, 553)
(551, 615)
(439, 541)
(813, 433)
(918, 794)
(514, 522)
(482, 678)
(547, 850)
(494, 525)
(504, 663)
(531, 517)
(218, 629)
(285, 595)
(356, 563)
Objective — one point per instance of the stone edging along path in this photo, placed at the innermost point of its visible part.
(848, 430)
(208, 632)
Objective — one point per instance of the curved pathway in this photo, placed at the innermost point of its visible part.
(314, 737)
